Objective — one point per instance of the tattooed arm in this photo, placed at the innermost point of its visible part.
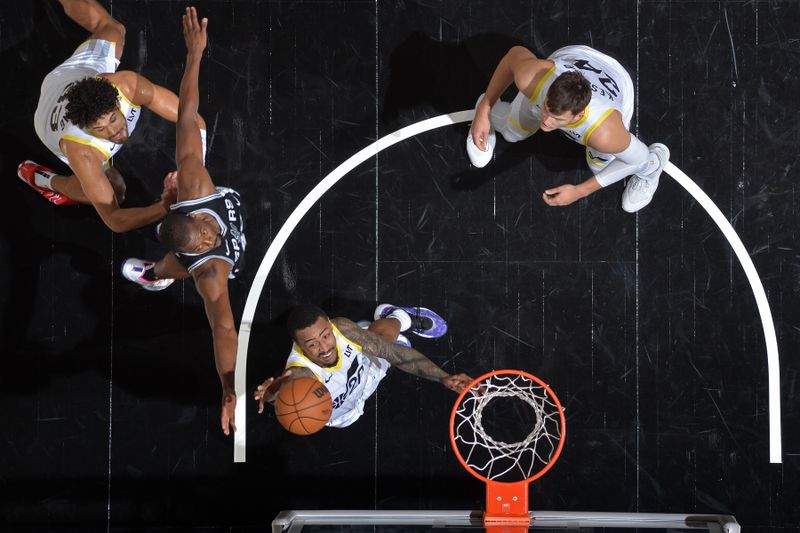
(406, 359)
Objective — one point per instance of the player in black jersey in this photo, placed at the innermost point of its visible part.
(204, 230)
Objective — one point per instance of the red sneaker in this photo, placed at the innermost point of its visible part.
(26, 172)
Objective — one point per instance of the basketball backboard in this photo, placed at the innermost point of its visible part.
(418, 521)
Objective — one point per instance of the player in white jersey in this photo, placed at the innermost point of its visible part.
(589, 97)
(351, 361)
(85, 114)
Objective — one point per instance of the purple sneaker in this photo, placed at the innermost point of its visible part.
(402, 340)
(424, 322)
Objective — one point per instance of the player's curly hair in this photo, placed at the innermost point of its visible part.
(569, 92)
(89, 99)
(303, 316)
(175, 232)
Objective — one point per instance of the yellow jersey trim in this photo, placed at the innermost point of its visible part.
(337, 366)
(582, 120)
(122, 95)
(520, 126)
(594, 126)
(357, 346)
(87, 142)
(539, 85)
(592, 160)
(298, 365)
(119, 92)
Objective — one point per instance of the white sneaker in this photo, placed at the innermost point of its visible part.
(640, 190)
(135, 270)
(478, 157)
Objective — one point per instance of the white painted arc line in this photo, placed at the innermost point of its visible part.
(240, 379)
(773, 362)
(239, 449)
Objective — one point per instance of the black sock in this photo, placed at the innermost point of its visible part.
(150, 273)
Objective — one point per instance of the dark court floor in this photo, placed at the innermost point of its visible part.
(644, 325)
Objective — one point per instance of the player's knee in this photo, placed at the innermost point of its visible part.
(117, 183)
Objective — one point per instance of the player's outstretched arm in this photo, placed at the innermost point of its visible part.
(193, 178)
(98, 190)
(406, 359)
(188, 134)
(211, 280)
(143, 92)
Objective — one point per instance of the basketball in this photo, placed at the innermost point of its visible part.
(303, 406)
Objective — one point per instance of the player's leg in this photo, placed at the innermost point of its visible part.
(70, 186)
(40, 179)
(94, 18)
(388, 328)
(60, 189)
(518, 121)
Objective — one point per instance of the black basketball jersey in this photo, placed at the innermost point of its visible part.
(226, 207)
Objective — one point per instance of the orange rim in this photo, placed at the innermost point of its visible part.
(550, 394)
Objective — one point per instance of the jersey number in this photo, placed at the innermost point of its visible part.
(608, 82)
(56, 122)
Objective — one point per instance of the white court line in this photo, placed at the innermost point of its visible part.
(773, 362)
(243, 395)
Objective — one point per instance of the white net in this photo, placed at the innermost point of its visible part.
(509, 401)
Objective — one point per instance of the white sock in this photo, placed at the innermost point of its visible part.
(402, 317)
(43, 179)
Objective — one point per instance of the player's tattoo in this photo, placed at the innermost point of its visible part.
(406, 359)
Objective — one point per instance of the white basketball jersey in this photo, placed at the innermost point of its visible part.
(612, 89)
(351, 381)
(55, 126)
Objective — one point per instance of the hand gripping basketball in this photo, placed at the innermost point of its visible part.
(303, 406)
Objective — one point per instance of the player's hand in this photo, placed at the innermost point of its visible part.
(194, 31)
(456, 382)
(480, 130)
(561, 195)
(267, 391)
(169, 194)
(228, 411)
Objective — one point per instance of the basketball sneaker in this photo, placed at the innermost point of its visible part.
(640, 189)
(424, 322)
(27, 171)
(141, 272)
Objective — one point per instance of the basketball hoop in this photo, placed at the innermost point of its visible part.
(530, 419)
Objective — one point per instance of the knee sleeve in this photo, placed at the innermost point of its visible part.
(630, 161)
